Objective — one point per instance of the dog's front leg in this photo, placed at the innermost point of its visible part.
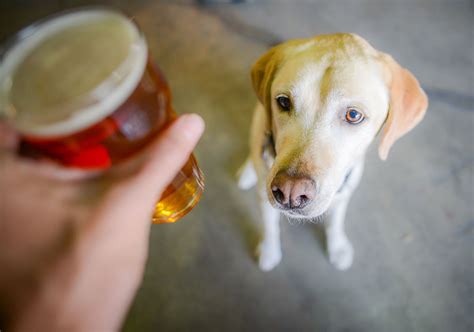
(269, 249)
(340, 250)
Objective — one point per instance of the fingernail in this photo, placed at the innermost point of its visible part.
(190, 125)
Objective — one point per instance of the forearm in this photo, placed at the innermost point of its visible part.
(83, 291)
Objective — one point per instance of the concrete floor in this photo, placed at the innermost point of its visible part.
(411, 221)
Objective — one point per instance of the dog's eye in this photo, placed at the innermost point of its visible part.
(284, 102)
(354, 116)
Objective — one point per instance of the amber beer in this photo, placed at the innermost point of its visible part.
(80, 88)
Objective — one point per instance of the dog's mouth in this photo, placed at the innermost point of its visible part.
(300, 216)
(316, 208)
(312, 210)
(299, 213)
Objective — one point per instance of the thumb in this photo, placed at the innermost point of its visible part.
(134, 198)
(165, 157)
(169, 153)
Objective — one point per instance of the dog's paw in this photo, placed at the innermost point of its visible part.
(246, 176)
(341, 253)
(269, 256)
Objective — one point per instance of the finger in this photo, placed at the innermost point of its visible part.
(132, 201)
(169, 153)
(9, 142)
(56, 172)
(8, 137)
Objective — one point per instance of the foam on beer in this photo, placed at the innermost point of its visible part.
(71, 72)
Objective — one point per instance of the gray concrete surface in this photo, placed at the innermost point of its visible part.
(411, 221)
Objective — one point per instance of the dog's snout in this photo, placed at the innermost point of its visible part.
(293, 192)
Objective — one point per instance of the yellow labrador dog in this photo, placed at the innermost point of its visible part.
(321, 103)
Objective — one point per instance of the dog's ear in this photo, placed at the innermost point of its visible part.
(264, 70)
(262, 75)
(408, 104)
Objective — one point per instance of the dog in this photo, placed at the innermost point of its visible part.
(322, 101)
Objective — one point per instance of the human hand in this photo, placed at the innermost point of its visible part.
(73, 250)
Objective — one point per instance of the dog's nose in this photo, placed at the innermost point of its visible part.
(293, 192)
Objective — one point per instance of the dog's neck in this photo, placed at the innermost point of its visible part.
(346, 179)
(268, 149)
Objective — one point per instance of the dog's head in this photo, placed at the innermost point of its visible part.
(326, 98)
